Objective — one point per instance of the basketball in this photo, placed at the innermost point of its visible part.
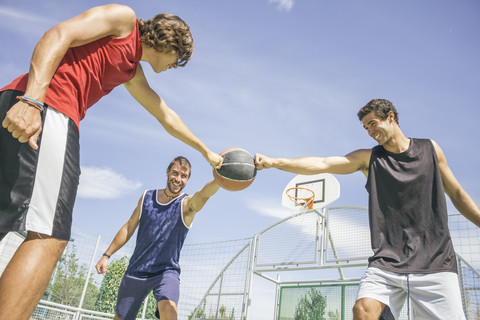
(238, 170)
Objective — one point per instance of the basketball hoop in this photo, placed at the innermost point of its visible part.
(304, 195)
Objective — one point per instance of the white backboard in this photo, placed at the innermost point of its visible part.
(325, 186)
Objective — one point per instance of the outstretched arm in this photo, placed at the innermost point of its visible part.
(460, 198)
(169, 119)
(122, 237)
(355, 161)
(193, 204)
(23, 121)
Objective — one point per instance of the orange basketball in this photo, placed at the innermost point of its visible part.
(238, 170)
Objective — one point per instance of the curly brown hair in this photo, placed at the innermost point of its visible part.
(380, 107)
(166, 32)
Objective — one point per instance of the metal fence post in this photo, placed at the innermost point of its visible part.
(252, 261)
(277, 299)
(145, 305)
(87, 280)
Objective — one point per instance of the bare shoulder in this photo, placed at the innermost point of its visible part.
(120, 18)
(361, 156)
(438, 151)
(187, 199)
(112, 20)
(435, 144)
(123, 16)
(118, 11)
(360, 160)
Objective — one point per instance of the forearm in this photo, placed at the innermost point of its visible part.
(352, 162)
(466, 206)
(174, 125)
(209, 189)
(121, 238)
(305, 165)
(200, 198)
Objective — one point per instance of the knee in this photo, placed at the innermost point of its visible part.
(359, 311)
(167, 310)
(363, 310)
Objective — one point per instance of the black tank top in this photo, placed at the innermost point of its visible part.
(408, 211)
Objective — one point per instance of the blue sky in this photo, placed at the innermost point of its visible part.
(282, 78)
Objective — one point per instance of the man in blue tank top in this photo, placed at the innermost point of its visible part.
(407, 180)
(163, 218)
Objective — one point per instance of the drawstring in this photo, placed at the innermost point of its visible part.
(408, 296)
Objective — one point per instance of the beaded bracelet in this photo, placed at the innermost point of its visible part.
(31, 102)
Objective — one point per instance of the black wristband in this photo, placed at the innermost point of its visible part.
(106, 255)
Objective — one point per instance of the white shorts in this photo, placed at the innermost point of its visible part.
(432, 296)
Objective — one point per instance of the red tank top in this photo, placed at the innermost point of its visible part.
(89, 72)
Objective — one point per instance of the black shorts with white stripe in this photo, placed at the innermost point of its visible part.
(38, 187)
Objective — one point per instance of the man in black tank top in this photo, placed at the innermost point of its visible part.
(406, 180)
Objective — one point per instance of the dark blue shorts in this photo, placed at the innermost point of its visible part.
(133, 291)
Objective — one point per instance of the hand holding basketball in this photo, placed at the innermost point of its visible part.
(214, 159)
(237, 171)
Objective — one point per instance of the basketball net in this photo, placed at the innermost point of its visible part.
(302, 196)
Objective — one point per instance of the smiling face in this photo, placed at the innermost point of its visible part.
(380, 130)
(177, 178)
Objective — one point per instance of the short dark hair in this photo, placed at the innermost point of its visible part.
(166, 32)
(380, 107)
(183, 162)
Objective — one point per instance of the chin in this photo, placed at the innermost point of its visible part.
(176, 191)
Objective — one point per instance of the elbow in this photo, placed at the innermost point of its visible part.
(56, 36)
(169, 127)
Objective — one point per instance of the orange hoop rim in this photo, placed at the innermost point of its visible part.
(308, 201)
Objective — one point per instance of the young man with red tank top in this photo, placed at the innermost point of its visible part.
(74, 64)
(407, 180)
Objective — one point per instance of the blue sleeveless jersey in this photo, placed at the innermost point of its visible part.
(160, 237)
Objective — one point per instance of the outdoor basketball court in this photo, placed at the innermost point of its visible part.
(314, 256)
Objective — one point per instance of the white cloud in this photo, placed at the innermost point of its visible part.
(269, 208)
(23, 16)
(284, 4)
(104, 183)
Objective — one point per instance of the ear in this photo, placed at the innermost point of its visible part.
(391, 116)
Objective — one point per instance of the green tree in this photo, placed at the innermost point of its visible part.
(66, 285)
(107, 296)
(311, 306)
(333, 315)
(200, 314)
(223, 311)
(151, 307)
